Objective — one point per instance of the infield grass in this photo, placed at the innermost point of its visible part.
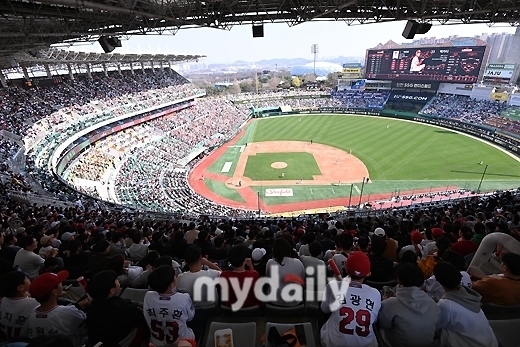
(300, 165)
(221, 189)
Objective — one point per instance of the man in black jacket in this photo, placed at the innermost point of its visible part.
(111, 319)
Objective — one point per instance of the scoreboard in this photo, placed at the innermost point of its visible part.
(441, 64)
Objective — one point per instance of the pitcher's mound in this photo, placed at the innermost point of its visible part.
(279, 165)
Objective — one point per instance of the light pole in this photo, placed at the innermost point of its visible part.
(315, 49)
(350, 197)
(361, 194)
(480, 184)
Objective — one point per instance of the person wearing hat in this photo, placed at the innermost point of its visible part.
(16, 305)
(417, 239)
(52, 319)
(258, 259)
(430, 248)
(391, 244)
(46, 249)
(28, 261)
(352, 305)
(410, 318)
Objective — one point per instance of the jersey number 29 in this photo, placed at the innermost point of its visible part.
(362, 318)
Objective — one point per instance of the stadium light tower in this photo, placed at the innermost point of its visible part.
(315, 49)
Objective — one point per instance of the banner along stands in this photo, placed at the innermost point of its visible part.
(499, 73)
(514, 100)
(414, 97)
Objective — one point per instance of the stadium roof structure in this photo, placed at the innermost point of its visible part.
(29, 24)
(57, 57)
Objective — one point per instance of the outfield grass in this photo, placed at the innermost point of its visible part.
(404, 151)
(405, 157)
(221, 189)
(300, 165)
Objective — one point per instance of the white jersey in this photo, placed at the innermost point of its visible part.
(14, 316)
(60, 320)
(204, 296)
(166, 315)
(354, 308)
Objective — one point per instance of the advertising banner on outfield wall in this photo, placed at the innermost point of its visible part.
(514, 100)
(279, 192)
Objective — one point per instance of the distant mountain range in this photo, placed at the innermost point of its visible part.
(281, 63)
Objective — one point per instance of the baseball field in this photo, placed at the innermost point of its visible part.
(315, 161)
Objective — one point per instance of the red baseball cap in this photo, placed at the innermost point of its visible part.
(437, 232)
(358, 264)
(416, 237)
(45, 283)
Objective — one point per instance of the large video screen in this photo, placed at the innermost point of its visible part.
(443, 64)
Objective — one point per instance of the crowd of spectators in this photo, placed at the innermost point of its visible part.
(71, 106)
(303, 102)
(355, 99)
(435, 297)
(463, 108)
(209, 122)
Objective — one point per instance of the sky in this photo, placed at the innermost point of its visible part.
(281, 41)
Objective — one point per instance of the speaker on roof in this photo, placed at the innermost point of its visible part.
(258, 30)
(109, 43)
(413, 28)
(410, 29)
(114, 41)
(424, 28)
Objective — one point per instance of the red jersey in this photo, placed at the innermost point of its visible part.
(231, 277)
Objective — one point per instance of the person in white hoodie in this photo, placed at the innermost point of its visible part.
(410, 318)
(462, 322)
